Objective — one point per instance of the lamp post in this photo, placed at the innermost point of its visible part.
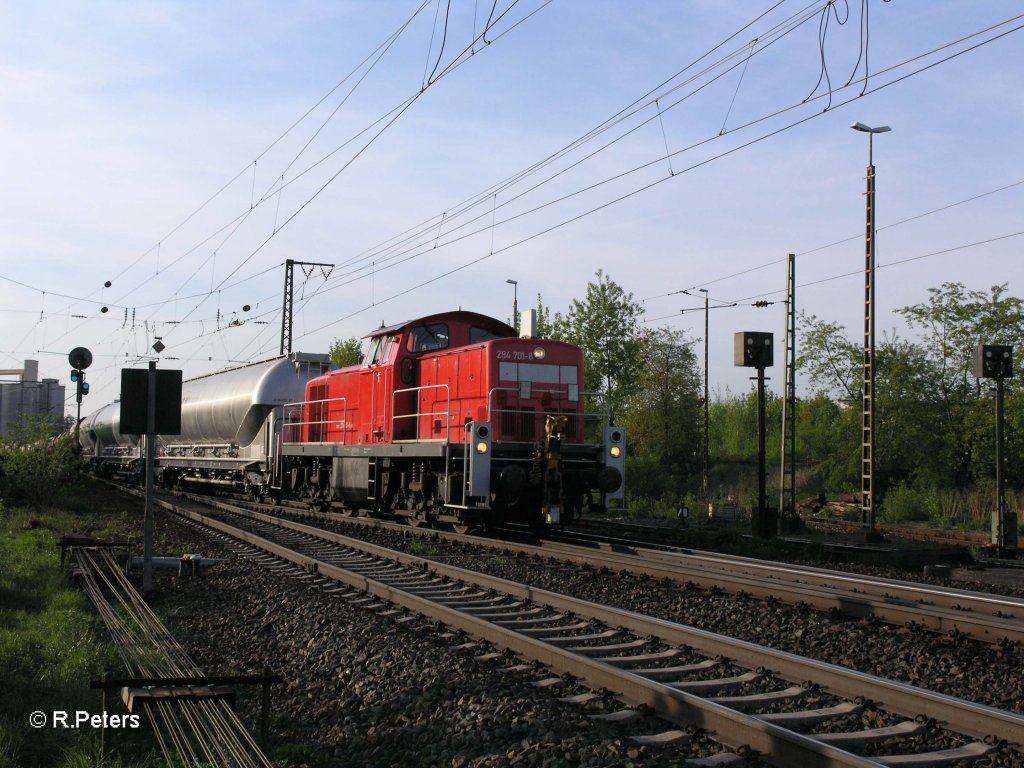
(515, 303)
(705, 475)
(705, 458)
(867, 482)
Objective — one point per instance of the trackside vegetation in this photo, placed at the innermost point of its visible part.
(51, 641)
(935, 423)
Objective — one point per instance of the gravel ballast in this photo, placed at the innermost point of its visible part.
(366, 690)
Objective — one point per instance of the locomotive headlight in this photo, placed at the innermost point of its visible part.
(615, 451)
(539, 353)
(482, 447)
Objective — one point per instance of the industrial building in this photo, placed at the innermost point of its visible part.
(27, 396)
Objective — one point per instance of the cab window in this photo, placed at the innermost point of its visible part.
(426, 338)
(372, 352)
(477, 334)
(379, 351)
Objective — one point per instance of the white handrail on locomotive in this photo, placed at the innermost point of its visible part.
(417, 414)
(599, 418)
(467, 431)
(292, 428)
(294, 420)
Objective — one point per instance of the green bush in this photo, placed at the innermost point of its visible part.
(37, 467)
(910, 502)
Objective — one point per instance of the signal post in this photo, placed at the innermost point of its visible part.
(753, 349)
(80, 359)
(995, 361)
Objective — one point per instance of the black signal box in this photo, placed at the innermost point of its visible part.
(135, 401)
(993, 361)
(753, 349)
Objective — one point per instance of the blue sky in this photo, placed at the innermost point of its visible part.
(119, 120)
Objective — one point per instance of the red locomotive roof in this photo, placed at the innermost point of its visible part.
(460, 316)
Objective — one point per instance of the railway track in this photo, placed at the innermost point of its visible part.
(982, 616)
(970, 539)
(750, 696)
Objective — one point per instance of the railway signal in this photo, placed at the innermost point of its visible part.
(755, 349)
(80, 359)
(81, 385)
(995, 361)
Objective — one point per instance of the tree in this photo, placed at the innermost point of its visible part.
(934, 424)
(346, 353)
(662, 418)
(831, 361)
(606, 324)
(549, 326)
(954, 321)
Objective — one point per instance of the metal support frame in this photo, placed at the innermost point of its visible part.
(286, 308)
(171, 690)
(762, 525)
(147, 519)
(867, 463)
(289, 297)
(67, 543)
(1004, 523)
(787, 484)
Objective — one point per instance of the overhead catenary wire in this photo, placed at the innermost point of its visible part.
(347, 277)
(458, 60)
(893, 224)
(378, 266)
(803, 15)
(661, 180)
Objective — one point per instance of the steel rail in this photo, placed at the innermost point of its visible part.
(958, 538)
(967, 718)
(897, 602)
(730, 727)
(939, 608)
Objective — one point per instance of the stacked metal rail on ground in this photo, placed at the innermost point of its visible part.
(193, 724)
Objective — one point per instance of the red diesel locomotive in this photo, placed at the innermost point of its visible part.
(455, 418)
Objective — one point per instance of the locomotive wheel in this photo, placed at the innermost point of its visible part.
(346, 511)
(462, 527)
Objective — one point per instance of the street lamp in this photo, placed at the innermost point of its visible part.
(705, 474)
(867, 482)
(705, 464)
(515, 303)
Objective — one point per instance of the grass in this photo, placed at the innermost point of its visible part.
(51, 641)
